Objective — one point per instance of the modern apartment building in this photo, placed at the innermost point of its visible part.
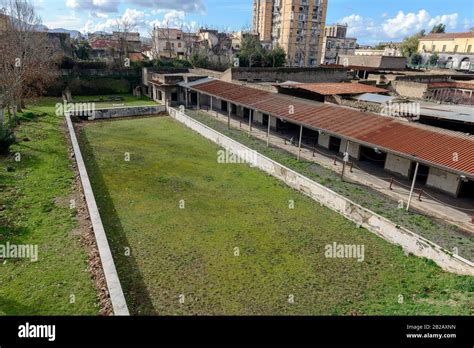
(295, 25)
(336, 43)
(336, 30)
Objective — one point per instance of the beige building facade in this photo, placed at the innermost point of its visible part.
(455, 50)
(447, 43)
(296, 25)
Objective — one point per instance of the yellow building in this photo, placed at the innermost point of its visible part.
(456, 50)
(295, 25)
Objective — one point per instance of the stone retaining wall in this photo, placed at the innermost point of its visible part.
(126, 111)
(114, 287)
(409, 241)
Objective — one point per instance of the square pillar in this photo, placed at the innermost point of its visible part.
(397, 165)
(273, 122)
(258, 117)
(444, 181)
(323, 140)
(353, 149)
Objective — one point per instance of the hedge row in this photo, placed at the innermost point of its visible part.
(94, 85)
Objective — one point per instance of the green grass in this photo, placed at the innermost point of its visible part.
(101, 101)
(440, 232)
(190, 251)
(31, 212)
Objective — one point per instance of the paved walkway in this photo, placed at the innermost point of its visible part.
(428, 205)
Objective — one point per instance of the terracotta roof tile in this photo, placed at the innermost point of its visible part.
(453, 84)
(448, 36)
(336, 88)
(431, 146)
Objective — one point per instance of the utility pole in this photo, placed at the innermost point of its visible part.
(250, 122)
(413, 185)
(299, 143)
(344, 160)
(268, 130)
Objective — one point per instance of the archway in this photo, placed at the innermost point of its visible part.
(465, 64)
(449, 63)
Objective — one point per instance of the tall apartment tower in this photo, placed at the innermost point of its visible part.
(295, 25)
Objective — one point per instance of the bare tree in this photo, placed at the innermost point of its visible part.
(155, 49)
(167, 35)
(123, 28)
(27, 57)
(163, 34)
(189, 38)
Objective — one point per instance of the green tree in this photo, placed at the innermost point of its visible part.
(410, 44)
(82, 49)
(433, 59)
(439, 29)
(199, 60)
(416, 59)
(276, 57)
(251, 52)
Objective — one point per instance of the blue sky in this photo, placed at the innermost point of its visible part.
(370, 21)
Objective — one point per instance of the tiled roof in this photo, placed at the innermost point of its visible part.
(453, 84)
(136, 57)
(102, 43)
(429, 145)
(448, 36)
(336, 88)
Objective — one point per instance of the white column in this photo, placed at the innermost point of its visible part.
(250, 122)
(299, 143)
(413, 185)
(268, 130)
(345, 159)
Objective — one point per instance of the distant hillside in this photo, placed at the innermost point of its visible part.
(74, 33)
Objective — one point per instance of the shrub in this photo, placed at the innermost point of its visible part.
(416, 59)
(433, 59)
(172, 63)
(91, 65)
(67, 63)
(27, 116)
(6, 138)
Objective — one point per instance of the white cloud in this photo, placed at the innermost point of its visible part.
(74, 4)
(141, 21)
(359, 26)
(467, 24)
(133, 16)
(174, 19)
(66, 21)
(404, 24)
(450, 20)
(397, 27)
(99, 15)
(188, 6)
(94, 5)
